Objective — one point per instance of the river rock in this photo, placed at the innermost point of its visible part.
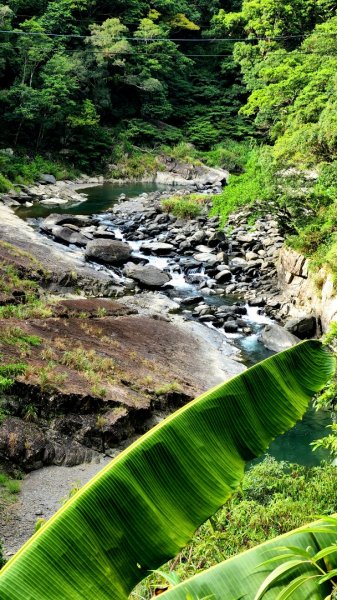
(112, 252)
(224, 275)
(157, 247)
(55, 219)
(147, 275)
(231, 326)
(276, 338)
(302, 327)
(205, 257)
(69, 236)
(54, 200)
(46, 178)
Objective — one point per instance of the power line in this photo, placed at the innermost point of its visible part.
(160, 53)
(156, 39)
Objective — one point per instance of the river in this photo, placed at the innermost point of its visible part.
(294, 445)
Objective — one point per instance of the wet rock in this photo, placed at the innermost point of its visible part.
(191, 300)
(55, 219)
(54, 200)
(277, 338)
(112, 252)
(223, 276)
(231, 326)
(204, 257)
(147, 275)
(257, 302)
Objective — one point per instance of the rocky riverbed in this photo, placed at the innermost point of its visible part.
(188, 295)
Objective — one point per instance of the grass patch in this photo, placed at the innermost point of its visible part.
(135, 164)
(15, 336)
(186, 207)
(167, 388)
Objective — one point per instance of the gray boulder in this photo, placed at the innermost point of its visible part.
(274, 337)
(112, 252)
(224, 275)
(147, 275)
(47, 178)
(68, 235)
(302, 327)
(157, 247)
(55, 219)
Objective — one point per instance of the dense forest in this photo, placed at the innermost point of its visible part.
(248, 86)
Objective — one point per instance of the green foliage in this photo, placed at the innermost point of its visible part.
(5, 184)
(22, 169)
(154, 495)
(185, 207)
(256, 183)
(275, 497)
(327, 400)
(230, 155)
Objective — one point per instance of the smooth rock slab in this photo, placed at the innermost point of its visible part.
(276, 338)
(157, 247)
(112, 252)
(147, 275)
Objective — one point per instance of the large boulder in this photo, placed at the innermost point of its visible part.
(302, 327)
(47, 178)
(276, 338)
(68, 235)
(157, 247)
(112, 252)
(55, 219)
(147, 275)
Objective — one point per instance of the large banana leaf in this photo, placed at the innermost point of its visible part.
(240, 577)
(144, 507)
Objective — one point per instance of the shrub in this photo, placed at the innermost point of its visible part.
(186, 207)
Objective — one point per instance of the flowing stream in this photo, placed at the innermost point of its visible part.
(292, 446)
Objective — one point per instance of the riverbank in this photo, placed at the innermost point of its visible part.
(162, 343)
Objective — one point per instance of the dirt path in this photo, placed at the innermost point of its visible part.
(42, 494)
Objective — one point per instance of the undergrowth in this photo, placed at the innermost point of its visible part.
(275, 498)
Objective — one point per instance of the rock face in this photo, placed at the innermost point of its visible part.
(22, 443)
(308, 294)
(55, 219)
(112, 252)
(277, 338)
(147, 275)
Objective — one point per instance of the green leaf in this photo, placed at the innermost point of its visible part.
(293, 586)
(242, 574)
(275, 574)
(145, 505)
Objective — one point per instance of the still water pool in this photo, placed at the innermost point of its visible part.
(99, 199)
